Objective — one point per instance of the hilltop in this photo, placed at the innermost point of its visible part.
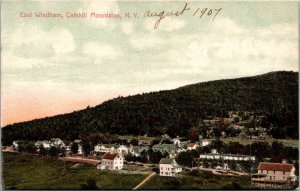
(274, 94)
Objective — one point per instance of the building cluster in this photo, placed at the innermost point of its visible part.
(113, 156)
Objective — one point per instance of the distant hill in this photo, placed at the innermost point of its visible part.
(173, 111)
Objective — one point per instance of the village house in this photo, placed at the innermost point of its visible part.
(134, 151)
(204, 142)
(137, 150)
(163, 148)
(56, 142)
(67, 147)
(232, 114)
(111, 161)
(104, 148)
(192, 146)
(45, 144)
(79, 143)
(169, 167)
(144, 143)
(237, 127)
(275, 173)
(113, 148)
(214, 155)
(176, 141)
(122, 149)
(15, 144)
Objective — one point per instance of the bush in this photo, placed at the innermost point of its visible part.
(232, 186)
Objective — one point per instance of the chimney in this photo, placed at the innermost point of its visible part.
(284, 161)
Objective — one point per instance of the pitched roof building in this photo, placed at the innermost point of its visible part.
(112, 161)
(168, 167)
(271, 174)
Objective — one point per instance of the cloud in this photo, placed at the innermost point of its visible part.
(146, 41)
(101, 7)
(29, 40)
(168, 24)
(227, 26)
(237, 51)
(127, 27)
(98, 50)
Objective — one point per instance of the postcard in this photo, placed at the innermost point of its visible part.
(149, 95)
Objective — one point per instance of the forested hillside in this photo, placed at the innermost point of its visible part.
(174, 111)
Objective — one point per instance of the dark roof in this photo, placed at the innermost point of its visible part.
(170, 161)
(164, 146)
(166, 161)
(275, 166)
(110, 156)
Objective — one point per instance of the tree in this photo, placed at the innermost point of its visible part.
(232, 186)
(30, 147)
(74, 148)
(155, 156)
(87, 148)
(259, 149)
(187, 158)
(194, 135)
(236, 148)
(42, 150)
(277, 152)
(134, 142)
(53, 151)
(89, 185)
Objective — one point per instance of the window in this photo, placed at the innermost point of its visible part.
(283, 172)
(273, 171)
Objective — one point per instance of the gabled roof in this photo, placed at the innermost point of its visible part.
(166, 161)
(191, 144)
(77, 141)
(164, 146)
(55, 139)
(170, 161)
(275, 166)
(110, 156)
(110, 146)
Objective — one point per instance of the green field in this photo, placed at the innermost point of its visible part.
(34, 172)
(201, 180)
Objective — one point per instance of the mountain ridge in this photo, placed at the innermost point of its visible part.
(165, 111)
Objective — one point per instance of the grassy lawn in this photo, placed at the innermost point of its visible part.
(34, 172)
(186, 181)
(286, 142)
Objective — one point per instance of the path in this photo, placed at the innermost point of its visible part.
(145, 180)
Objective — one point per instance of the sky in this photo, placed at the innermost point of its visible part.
(52, 66)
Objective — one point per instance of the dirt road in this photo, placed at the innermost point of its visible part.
(144, 181)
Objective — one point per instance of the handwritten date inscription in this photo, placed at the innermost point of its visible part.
(197, 13)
